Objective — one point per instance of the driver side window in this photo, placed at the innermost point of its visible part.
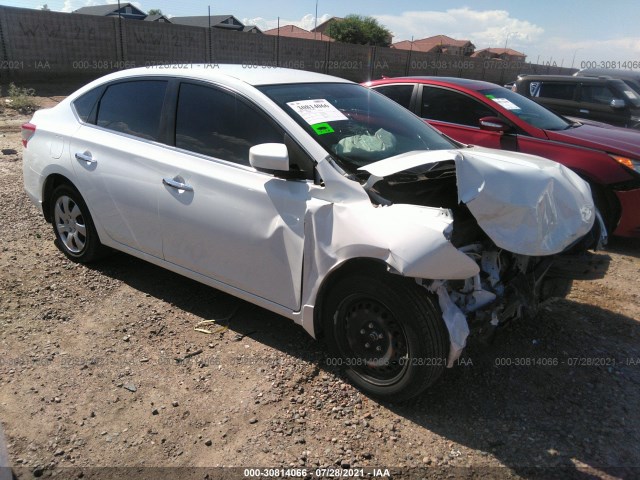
(220, 125)
(452, 107)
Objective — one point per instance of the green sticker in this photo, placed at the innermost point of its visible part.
(491, 97)
(322, 128)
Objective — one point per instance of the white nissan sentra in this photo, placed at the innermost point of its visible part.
(312, 197)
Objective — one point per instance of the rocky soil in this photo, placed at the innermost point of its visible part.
(100, 366)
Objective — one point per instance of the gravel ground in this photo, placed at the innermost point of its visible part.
(100, 366)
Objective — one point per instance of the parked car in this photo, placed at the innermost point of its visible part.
(603, 99)
(481, 113)
(314, 198)
(630, 77)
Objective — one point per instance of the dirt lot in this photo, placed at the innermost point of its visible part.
(89, 377)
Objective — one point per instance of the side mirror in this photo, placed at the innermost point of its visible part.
(617, 103)
(493, 124)
(269, 156)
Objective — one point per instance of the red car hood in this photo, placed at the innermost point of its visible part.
(620, 141)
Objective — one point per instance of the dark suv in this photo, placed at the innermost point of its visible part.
(630, 77)
(601, 99)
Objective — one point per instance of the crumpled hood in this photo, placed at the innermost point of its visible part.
(524, 203)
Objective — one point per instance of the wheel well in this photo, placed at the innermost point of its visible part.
(50, 184)
(611, 205)
(347, 268)
(602, 194)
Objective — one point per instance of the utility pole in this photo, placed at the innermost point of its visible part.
(315, 21)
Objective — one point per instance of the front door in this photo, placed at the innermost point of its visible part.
(219, 216)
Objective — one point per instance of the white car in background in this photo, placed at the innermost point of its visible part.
(312, 197)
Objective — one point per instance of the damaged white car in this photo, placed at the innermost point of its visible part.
(312, 197)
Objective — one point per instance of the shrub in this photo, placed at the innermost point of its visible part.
(21, 99)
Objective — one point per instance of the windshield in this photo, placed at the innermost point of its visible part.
(526, 109)
(355, 125)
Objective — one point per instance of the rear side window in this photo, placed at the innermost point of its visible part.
(600, 94)
(86, 104)
(447, 106)
(559, 90)
(398, 93)
(218, 124)
(133, 108)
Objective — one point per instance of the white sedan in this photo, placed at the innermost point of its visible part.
(312, 197)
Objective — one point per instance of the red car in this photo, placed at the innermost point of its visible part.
(485, 114)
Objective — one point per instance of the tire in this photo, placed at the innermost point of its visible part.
(554, 287)
(73, 226)
(604, 208)
(386, 333)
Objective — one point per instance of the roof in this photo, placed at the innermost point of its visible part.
(569, 78)
(499, 51)
(203, 21)
(156, 17)
(248, 28)
(595, 72)
(251, 76)
(463, 82)
(322, 26)
(297, 32)
(105, 9)
(429, 43)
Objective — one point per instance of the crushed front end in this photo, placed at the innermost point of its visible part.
(514, 215)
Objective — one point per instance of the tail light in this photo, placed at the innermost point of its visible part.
(28, 129)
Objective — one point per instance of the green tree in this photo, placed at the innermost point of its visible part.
(155, 11)
(360, 30)
(45, 7)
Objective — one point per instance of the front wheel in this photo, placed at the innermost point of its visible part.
(386, 333)
(73, 227)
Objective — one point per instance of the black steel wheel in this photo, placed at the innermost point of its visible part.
(386, 333)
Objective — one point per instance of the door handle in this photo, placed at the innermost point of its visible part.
(178, 185)
(85, 157)
(582, 110)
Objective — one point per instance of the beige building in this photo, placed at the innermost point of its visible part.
(438, 44)
(297, 32)
(500, 54)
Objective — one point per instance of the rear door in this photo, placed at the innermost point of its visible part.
(457, 115)
(219, 216)
(117, 158)
(595, 104)
(559, 96)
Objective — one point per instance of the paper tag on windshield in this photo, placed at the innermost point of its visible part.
(316, 111)
(503, 102)
(630, 94)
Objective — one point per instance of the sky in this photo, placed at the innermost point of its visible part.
(575, 33)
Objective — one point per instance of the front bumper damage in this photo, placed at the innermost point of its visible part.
(530, 210)
(507, 288)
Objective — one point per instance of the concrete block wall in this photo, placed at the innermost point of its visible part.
(243, 48)
(38, 46)
(302, 54)
(154, 43)
(51, 44)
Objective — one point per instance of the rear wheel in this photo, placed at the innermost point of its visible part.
(387, 335)
(73, 227)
